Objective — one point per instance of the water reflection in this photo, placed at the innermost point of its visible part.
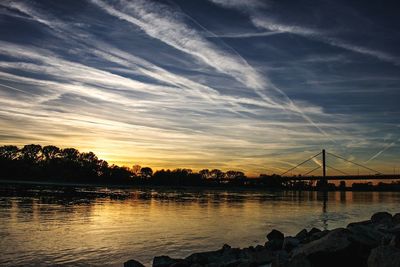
(82, 226)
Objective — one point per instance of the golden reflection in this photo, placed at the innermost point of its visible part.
(156, 222)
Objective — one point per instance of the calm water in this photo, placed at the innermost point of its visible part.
(44, 227)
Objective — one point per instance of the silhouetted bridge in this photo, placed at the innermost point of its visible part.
(324, 178)
(345, 177)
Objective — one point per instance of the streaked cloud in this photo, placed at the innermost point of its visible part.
(157, 84)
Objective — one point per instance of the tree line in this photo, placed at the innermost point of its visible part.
(68, 165)
(50, 163)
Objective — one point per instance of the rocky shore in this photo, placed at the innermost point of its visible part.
(372, 243)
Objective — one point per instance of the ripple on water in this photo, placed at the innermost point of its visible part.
(102, 226)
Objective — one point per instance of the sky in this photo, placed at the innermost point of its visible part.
(256, 86)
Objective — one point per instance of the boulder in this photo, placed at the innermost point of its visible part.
(381, 218)
(334, 249)
(224, 256)
(299, 261)
(275, 240)
(261, 257)
(133, 263)
(166, 261)
(395, 241)
(313, 231)
(274, 245)
(227, 256)
(302, 235)
(396, 218)
(281, 259)
(384, 256)
(275, 235)
(245, 264)
(318, 235)
(258, 256)
(289, 243)
(367, 222)
(394, 230)
(366, 235)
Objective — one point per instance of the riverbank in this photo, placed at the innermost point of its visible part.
(372, 243)
(220, 187)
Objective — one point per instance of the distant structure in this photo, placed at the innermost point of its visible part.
(323, 180)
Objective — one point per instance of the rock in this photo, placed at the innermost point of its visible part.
(259, 247)
(241, 263)
(366, 238)
(224, 256)
(245, 264)
(275, 235)
(133, 263)
(334, 249)
(384, 256)
(366, 235)
(281, 259)
(166, 261)
(318, 235)
(181, 263)
(226, 247)
(299, 261)
(367, 222)
(302, 235)
(394, 230)
(313, 231)
(274, 244)
(232, 257)
(395, 241)
(396, 218)
(275, 240)
(289, 243)
(258, 256)
(381, 218)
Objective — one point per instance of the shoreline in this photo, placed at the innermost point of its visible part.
(371, 243)
(175, 187)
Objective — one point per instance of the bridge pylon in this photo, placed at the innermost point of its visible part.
(323, 182)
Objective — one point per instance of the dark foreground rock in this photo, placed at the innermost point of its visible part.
(384, 256)
(371, 243)
(133, 263)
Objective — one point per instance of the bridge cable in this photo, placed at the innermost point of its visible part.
(301, 163)
(342, 172)
(311, 171)
(355, 163)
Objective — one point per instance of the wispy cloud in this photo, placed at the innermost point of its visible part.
(244, 35)
(382, 151)
(165, 24)
(187, 99)
(263, 22)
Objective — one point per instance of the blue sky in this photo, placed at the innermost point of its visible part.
(249, 85)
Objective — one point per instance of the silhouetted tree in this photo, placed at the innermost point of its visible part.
(136, 169)
(274, 180)
(70, 154)
(51, 152)
(205, 173)
(217, 174)
(32, 153)
(234, 175)
(146, 172)
(9, 152)
(120, 174)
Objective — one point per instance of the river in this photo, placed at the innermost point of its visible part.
(101, 226)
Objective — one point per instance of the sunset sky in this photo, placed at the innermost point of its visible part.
(249, 85)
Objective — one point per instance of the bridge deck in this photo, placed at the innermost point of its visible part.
(346, 177)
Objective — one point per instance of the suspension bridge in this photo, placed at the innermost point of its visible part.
(323, 177)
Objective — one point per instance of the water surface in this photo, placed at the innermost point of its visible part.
(100, 226)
